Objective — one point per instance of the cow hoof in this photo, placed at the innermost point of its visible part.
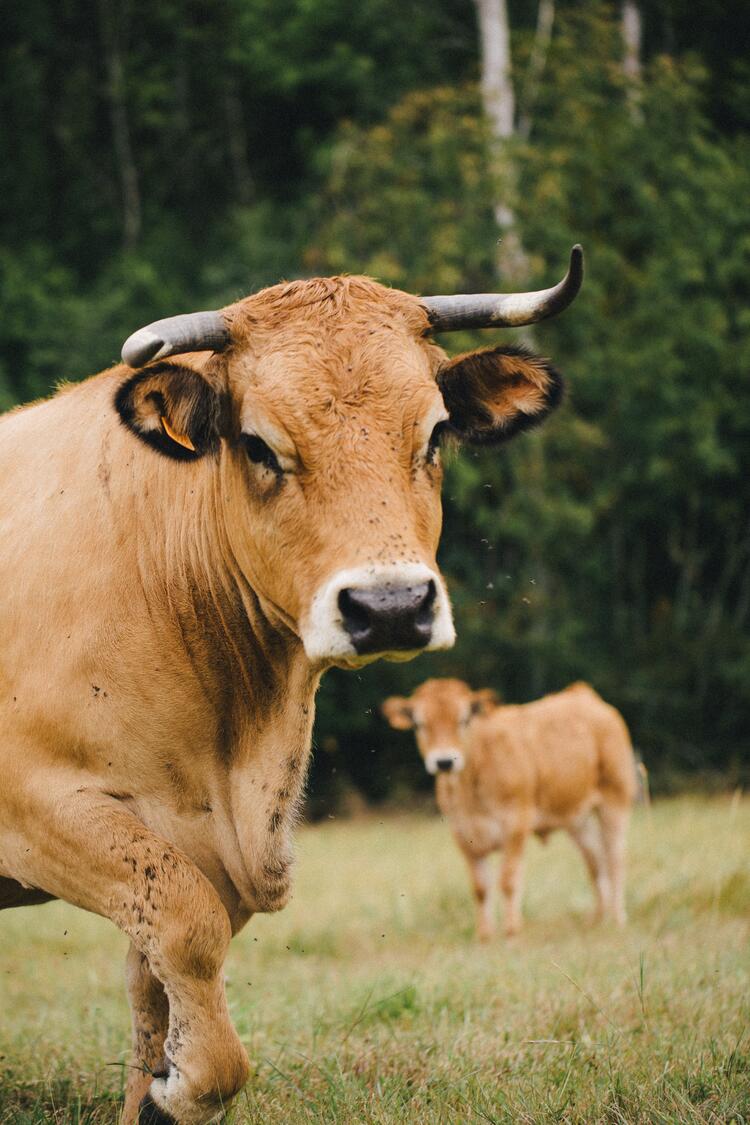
(150, 1114)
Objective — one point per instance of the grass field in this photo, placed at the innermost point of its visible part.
(367, 1000)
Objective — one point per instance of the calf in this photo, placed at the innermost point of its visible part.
(503, 772)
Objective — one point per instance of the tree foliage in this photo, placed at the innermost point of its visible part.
(165, 157)
(613, 545)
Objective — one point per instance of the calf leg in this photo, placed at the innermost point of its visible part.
(149, 1009)
(481, 883)
(587, 835)
(614, 821)
(81, 845)
(511, 879)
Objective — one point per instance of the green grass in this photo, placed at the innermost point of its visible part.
(367, 1000)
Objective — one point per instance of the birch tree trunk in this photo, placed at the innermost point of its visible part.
(632, 36)
(498, 97)
(499, 104)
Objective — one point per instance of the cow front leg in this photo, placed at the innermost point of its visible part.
(481, 885)
(82, 846)
(511, 880)
(149, 1010)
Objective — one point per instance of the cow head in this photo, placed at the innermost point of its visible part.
(314, 412)
(440, 712)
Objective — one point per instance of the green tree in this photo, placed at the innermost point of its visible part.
(613, 545)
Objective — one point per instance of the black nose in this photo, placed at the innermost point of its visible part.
(444, 764)
(388, 618)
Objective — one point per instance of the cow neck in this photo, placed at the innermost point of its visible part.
(253, 683)
(458, 791)
(243, 658)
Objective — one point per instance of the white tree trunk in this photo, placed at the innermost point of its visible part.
(497, 87)
(632, 36)
(498, 96)
(499, 104)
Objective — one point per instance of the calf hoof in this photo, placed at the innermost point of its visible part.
(150, 1114)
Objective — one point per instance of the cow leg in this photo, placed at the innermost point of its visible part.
(481, 884)
(149, 1009)
(614, 821)
(587, 835)
(82, 846)
(511, 879)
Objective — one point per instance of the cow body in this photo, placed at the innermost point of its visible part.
(145, 677)
(506, 772)
(184, 550)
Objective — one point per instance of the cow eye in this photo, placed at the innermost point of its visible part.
(260, 453)
(436, 438)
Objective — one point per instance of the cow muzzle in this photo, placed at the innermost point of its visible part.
(365, 613)
(444, 761)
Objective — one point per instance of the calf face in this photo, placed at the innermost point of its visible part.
(439, 712)
(315, 437)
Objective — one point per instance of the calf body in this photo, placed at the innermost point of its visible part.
(506, 772)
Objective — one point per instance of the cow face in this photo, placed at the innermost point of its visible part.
(318, 431)
(439, 712)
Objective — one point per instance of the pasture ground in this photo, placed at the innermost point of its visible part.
(367, 999)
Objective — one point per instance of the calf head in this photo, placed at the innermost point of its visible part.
(314, 413)
(440, 712)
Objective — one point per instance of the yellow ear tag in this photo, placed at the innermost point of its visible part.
(181, 439)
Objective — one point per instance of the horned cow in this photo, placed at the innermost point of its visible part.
(187, 542)
(504, 772)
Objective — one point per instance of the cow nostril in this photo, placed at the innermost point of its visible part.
(425, 611)
(356, 617)
(389, 617)
(444, 764)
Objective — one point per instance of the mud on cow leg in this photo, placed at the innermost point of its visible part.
(83, 846)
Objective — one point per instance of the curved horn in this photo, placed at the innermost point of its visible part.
(506, 310)
(191, 332)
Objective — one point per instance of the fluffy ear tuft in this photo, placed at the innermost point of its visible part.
(397, 710)
(173, 408)
(495, 393)
(484, 701)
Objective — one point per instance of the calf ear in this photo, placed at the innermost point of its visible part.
(493, 394)
(173, 408)
(484, 701)
(398, 712)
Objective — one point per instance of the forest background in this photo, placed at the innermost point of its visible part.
(163, 157)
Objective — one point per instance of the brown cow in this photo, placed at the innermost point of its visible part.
(503, 772)
(187, 544)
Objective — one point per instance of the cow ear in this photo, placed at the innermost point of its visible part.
(493, 394)
(173, 408)
(484, 701)
(397, 710)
